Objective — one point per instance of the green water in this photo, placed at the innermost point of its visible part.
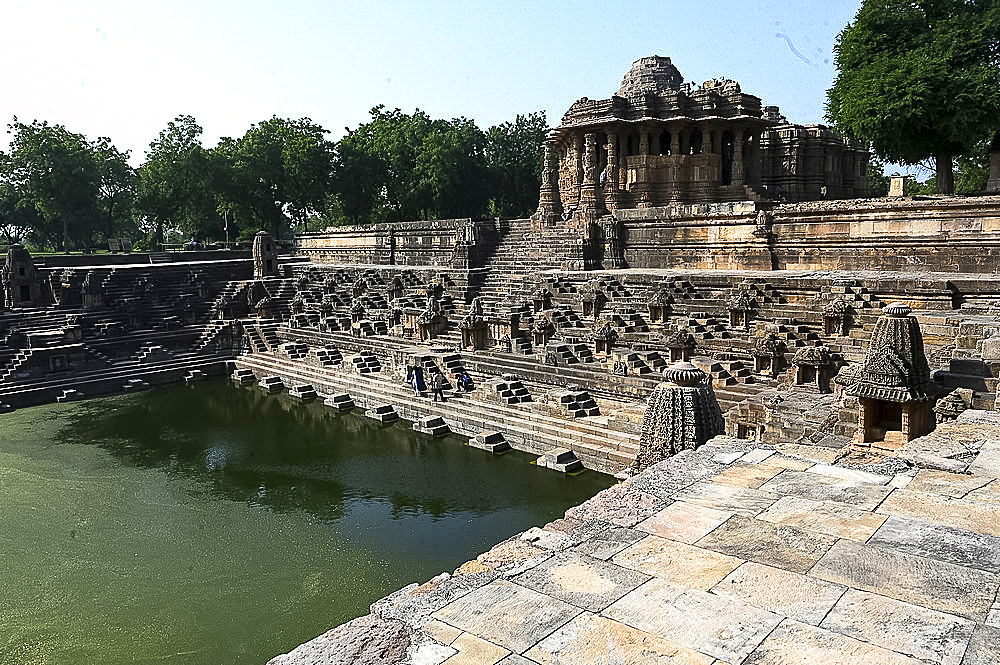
(216, 525)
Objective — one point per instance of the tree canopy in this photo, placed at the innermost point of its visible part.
(398, 167)
(60, 190)
(919, 79)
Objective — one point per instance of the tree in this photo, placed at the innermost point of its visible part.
(118, 187)
(174, 180)
(55, 173)
(919, 79)
(400, 167)
(280, 169)
(514, 159)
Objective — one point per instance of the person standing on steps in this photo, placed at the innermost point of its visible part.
(418, 381)
(438, 382)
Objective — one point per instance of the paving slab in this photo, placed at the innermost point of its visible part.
(798, 643)
(961, 513)
(622, 505)
(790, 463)
(907, 629)
(939, 541)
(984, 647)
(507, 614)
(515, 659)
(679, 563)
(442, 632)
(583, 581)
(771, 544)
(819, 454)
(849, 474)
(824, 488)
(740, 500)
(789, 594)
(473, 650)
(987, 496)
(988, 460)
(684, 522)
(955, 485)
(828, 517)
(597, 640)
(747, 475)
(609, 542)
(913, 579)
(714, 625)
(757, 455)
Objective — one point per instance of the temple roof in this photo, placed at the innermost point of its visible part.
(653, 74)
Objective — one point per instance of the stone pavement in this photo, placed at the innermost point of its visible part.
(726, 555)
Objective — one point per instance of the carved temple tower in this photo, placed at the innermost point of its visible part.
(660, 141)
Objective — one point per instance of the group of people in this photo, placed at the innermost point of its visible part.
(438, 382)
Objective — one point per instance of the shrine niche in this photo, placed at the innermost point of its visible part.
(835, 317)
(768, 352)
(742, 306)
(659, 305)
(604, 339)
(814, 368)
(893, 386)
(681, 345)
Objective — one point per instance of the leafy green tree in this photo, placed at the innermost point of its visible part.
(400, 167)
(174, 181)
(280, 169)
(878, 181)
(919, 79)
(514, 159)
(56, 174)
(118, 188)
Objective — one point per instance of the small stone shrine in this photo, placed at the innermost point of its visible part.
(682, 414)
(893, 386)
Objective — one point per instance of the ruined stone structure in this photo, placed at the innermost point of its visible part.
(660, 141)
(20, 280)
(265, 256)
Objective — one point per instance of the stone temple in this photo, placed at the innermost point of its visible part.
(659, 141)
(827, 421)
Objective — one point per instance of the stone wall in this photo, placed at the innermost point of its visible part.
(442, 242)
(942, 235)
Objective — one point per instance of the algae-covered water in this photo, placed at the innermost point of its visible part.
(216, 525)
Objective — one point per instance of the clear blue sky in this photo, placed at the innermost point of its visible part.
(124, 68)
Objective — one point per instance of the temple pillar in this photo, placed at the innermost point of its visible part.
(549, 202)
(612, 171)
(586, 210)
(675, 141)
(644, 143)
(738, 175)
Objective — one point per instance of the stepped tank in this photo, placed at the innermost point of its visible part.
(209, 523)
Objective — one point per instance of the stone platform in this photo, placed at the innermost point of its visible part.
(729, 554)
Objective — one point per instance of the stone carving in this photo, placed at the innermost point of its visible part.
(763, 223)
(742, 301)
(696, 144)
(682, 413)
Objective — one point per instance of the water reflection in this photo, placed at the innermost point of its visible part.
(284, 455)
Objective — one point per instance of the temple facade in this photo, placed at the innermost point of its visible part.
(660, 141)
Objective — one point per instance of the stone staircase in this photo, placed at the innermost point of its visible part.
(599, 447)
